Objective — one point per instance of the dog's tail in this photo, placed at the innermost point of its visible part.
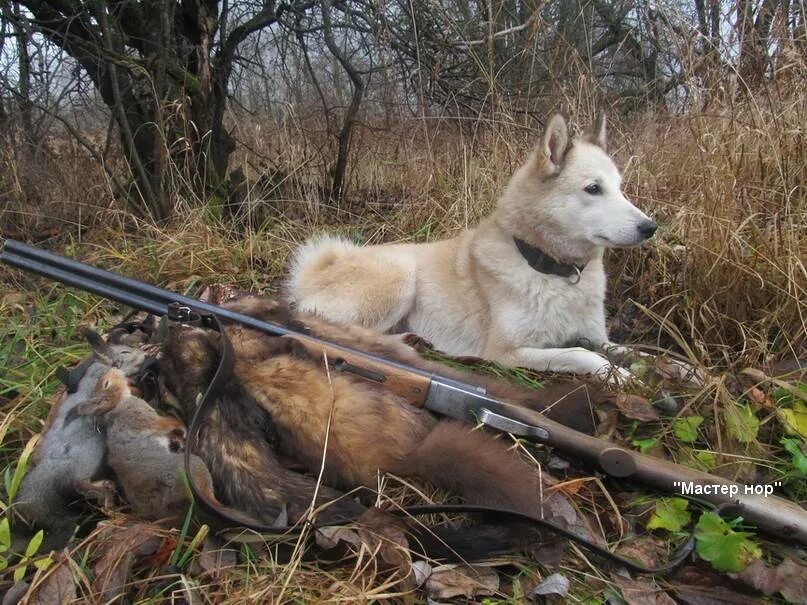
(476, 466)
(348, 284)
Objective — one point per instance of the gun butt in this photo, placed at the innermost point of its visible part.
(755, 504)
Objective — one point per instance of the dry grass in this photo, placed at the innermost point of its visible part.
(724, 279)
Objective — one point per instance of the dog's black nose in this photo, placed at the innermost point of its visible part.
(647, 229)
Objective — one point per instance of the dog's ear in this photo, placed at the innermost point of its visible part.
(555, 142)
(597, 134)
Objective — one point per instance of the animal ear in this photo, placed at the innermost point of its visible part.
(597, 134)
(176, 439)
(555, 141)
(101, 350)
(93, 406)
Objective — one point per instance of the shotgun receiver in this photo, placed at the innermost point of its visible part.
(441, 395)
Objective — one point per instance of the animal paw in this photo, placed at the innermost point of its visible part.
(415, 341)
(668, 367)
(102, 491)
(583, 361)
(614, 375)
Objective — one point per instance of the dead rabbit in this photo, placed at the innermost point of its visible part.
(145, 450)
(69, 459)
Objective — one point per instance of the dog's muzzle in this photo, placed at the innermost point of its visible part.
(647, 229)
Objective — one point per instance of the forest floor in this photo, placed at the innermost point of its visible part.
(722, 285)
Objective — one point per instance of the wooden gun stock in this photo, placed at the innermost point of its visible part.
(772, 514)
(405, 382)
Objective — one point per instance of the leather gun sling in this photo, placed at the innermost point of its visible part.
(208, 400)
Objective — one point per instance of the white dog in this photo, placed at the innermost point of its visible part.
(522, 288)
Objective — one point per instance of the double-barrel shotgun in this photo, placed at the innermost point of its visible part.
(444, 396)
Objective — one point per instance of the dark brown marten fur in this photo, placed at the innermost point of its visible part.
(369, 429)
(570, 403)
(238, 439)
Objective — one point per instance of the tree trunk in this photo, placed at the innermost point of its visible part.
(754, 58)
(156, 68)
(24, 102)
(338, 185)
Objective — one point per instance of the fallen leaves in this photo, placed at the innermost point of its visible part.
(119, 548)
(788, 578)
(450, 581)
(16, 593)
(702, 586)
(642, 592)
(647, 551)
(636, 407)
(379, 533)
(556, 584)
(760, 398)
(379, 536)
(57, 585)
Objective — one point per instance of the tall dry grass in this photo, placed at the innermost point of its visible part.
(725, 275)
(728, 268)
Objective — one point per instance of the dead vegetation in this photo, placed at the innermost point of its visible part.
(723, 283)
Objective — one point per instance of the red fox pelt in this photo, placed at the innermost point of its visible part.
(369, 429)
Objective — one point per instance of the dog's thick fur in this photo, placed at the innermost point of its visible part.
(475, 294)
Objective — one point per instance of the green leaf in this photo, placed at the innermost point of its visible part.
(644, 445)
(794, 447)
(7, 480)
(707, 460)
(639, 368)
(5, 535)
(794, 419)
(686, 428)
(43, 563)
(785, 398)
(34, 544)
(670, 514)
(19, 573)
(726, 549)
(22, 467)
(743, 423)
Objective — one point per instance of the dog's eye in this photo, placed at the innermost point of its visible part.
(593, 189)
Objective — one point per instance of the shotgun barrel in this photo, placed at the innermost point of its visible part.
(468, 402)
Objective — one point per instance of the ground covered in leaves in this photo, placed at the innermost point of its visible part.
(722, 285)
(747, 424)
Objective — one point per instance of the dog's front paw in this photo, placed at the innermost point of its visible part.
(666, 366)
(583, 361)
(612, 374)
